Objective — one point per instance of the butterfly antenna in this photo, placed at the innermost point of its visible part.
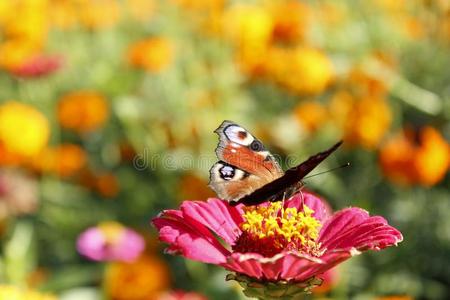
(330, 170)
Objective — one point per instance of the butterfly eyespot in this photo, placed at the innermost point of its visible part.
(256, 146)
(226, 172)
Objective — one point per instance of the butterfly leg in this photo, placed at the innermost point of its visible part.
(301, 194)
(282, 205)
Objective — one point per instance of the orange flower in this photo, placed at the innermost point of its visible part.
(63, 160)
(422, 158)
(302, 70)
(64, 14)
(291, 20)
(142, 279)
(99, 14)
(15, 53)
(24, 131)
(331, 14)
(104, 183)
(107, 185)
(395, 298)
(193, 187)
(151, 54)
(200, 5)
(364, 121)
(311, 115)
(141, 10)
(82, 111)
(7, 158)
(363, 84)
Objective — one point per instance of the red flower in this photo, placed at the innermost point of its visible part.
(269, 243)
(39, 66)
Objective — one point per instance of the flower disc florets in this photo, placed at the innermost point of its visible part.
(270, 229)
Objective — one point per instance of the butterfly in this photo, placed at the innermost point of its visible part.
(248, 173)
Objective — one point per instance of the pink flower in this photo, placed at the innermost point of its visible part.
(270, 243)
(181, 295)
(39, 66)
(110, 241)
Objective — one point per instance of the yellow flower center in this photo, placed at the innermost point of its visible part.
(268, 230)
(112, 231)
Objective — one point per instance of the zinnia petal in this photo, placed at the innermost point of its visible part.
(216, 215)
(353, 227)
(283, 266)
(190, 238)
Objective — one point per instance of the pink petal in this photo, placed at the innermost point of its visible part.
(295, 266)
(283, 266)
(330, 260)
(354, 228)
(249, 267)
(91, 243)
(39, 65)
(286, 265)
(322, 211)
(217, 215)
(189, 238)
(130, 246)
(341, 222)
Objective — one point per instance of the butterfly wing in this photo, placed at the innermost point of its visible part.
(290, 181)
(244, 166)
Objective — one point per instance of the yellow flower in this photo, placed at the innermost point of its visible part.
(142, 279)
(99, 14)
(23, 129)
(141, 10)
(10, 292)
(364, 121)
(331, 13)
(248, 26)
(200, 5)
(302, 70)
(29, 21)
(64, 14)
(416, 157)
(311, 115)
(14, 53)
(5, 8)
(82, 111)
(290, 20)
(151, 54)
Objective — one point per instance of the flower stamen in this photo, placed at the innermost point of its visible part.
(271, 228)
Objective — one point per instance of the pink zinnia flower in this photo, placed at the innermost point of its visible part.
(283, 246)
(38, 66)
(181, 295)
(110, 241)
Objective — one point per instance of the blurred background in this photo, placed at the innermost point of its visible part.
(107, 112)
